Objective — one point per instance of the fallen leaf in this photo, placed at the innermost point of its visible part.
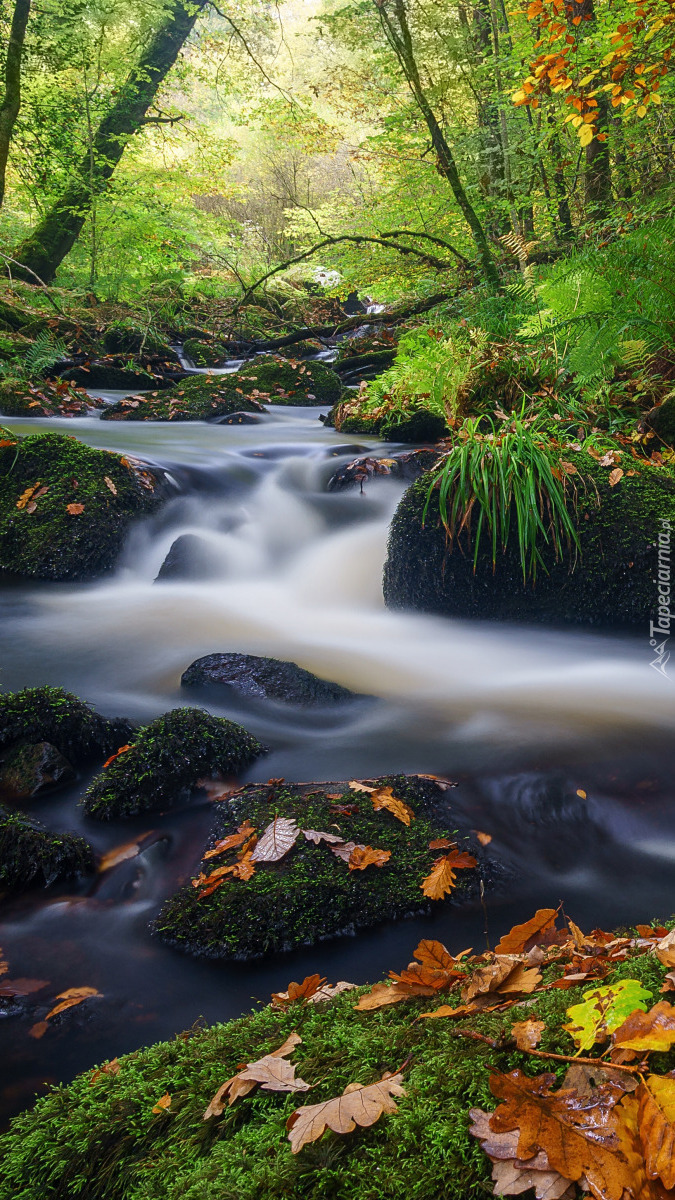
(441, 878)
(512, 1175)
(298, 991)
(365, 856)
(603, 1010)
(434, 955)
(278, 838)
(483, 838)
(27, 496)
(329, 991)
(665, 949)
(446, 1010)
(109, 484)
(528, 1033)
(122, 750)
(75, 509)
(68, 999)
(358, 1105)
(163, 1105)
(273, 1072)
(534, 932)
(668, 984)
(615, 476)
(109, 1068)
(21, 987)
(344, 850)
(440, 844)
(120, 854)
(656, 1124)
(381, 995)
(653, 1030)
(384, 797)
(232, 840)
(317, 836)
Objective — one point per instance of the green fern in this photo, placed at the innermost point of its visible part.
(45, 351)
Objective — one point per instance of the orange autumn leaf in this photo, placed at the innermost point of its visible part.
(109, 1068)
(298, 991)
(440, 843)
(528, 1033)
(483, 838)
(615, 476)
(272, 1072)
(122, 750)
(163, 1105)
(441, 879)
(365, 856)
(68, 999)
(434, 955)
(384, 797)
(232, 840)
(75, 509)
(653, 1030)
(535, 932)
(656, 1124)
(27, 496)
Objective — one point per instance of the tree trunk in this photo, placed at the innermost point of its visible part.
(54, 237)
(400, 41)
(598, 173)
(11, 101)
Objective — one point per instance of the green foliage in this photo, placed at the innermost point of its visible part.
(431, 371)
(603, 1009)
(45, 351)
(504, 479)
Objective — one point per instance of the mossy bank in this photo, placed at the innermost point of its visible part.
(311, 894)
(166, 759)
(66, 508)
(608, 582)
(99, 1138)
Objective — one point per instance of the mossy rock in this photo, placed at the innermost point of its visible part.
(98, 1137)
(33, 855)
(662, 420)
(30, 769)
(206, 354)
(311, 894)
(102, 375)
(197, 398)
(65, 508)
(45, 399)
(289, 381)
(609, 585)
(419, 426)
(127, 336)
(46, 714)
(166, 760)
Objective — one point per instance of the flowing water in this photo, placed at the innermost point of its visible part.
(561, 741)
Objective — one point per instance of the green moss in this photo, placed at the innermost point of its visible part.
(49, 542)
(420, 426)
(128, 336)
(198, 398)
(289, 381)
(33, 855)
(206, 354)
(166, 759)
(44, 399)
(610, 584)
(311, 894)
(101, 1140)
(45, 714)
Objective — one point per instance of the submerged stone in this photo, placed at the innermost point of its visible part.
(166, 760)
(311, 894)
(27, 771)
(65, 508)
(33, 855)
(195, 398)
(46, 714)
(190, 557)
(267, 678)
(609, 584)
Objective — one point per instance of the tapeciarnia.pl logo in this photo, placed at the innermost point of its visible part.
(661, 626)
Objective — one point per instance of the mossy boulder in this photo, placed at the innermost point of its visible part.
(45, 399)
(128, 336)
(99, 1138)
(166, 760)
(418, 426)
(65, 508)
(311, 894)
(46, 714)
(662, 420)
(102, 375)
(609, 584)
(30, 769)
(263, 678)
(33, 855)
(288, 381)
(196, 398)
(206, 354)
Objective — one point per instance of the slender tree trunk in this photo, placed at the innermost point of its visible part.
(401, 42)
(598, 173)
(11, 101)
(55, 235)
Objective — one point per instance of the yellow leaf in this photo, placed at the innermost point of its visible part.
(642, 110)
(586, 134)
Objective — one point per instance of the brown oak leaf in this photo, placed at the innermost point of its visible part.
(358, 1105)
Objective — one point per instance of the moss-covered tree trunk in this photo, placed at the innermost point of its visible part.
(44, 250)
(11, 100)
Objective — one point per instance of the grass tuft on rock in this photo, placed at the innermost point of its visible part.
(311, 894)
(166, 760)
(65, 508)
(99, 1139)
(33, 855)
(47, 714)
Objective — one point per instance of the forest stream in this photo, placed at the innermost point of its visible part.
(560, 742)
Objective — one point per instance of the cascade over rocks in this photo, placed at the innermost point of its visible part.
(311, 894)
(611, 584)
(165, 761)
(65, 508)
(267, 678)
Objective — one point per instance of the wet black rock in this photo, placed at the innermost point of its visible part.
(607, 584)
(238, 418)
(190, 557)
(165, 762)
(311, 895)
(662, 421)
(421, 426)
(31, 855)
(407, 466)
(28, 770)
(46, 714)
(104, 375)
(265, 678)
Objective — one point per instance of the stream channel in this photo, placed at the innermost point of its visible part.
(561, 741)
